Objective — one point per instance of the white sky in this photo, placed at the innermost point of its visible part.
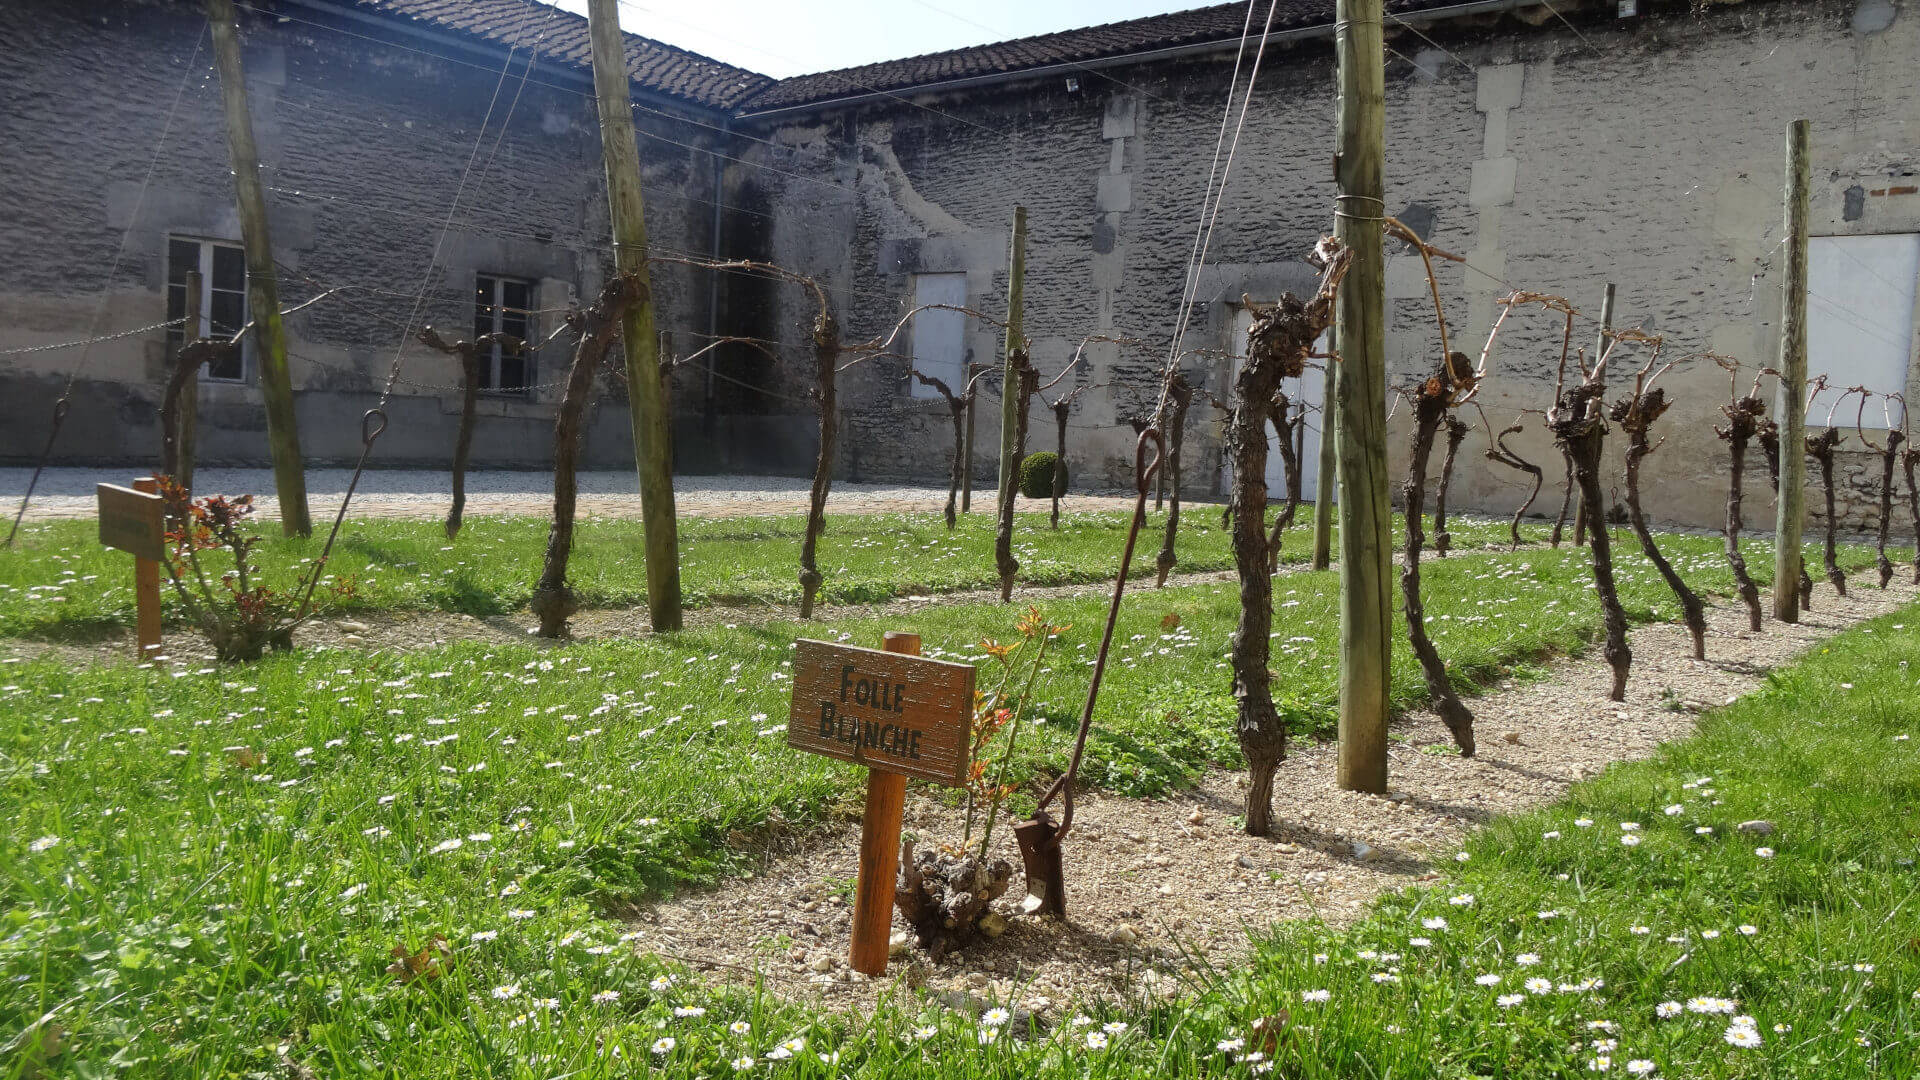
(797, 37)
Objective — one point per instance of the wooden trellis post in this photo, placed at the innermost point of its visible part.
(1792, 503)
(1366, 606)
(646, 398)
(263, 293)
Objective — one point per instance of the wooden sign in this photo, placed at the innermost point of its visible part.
(899, 715)
(890, 711)
(133, 521)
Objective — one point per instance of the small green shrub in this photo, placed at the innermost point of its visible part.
(1036, 475)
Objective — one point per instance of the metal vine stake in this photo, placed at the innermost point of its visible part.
(1038, 837)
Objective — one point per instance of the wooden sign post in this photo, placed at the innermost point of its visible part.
(134, 520)
(900, 716)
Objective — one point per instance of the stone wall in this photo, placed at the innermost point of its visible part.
(1643, 151)
(366, 135)
(1646, 152)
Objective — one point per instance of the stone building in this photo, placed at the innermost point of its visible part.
(1556, 147)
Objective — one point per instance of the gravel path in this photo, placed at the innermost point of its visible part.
(419, 493)
(1153, 880)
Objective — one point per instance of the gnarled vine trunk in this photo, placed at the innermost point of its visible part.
(468, 354)
(1820, 448)
(1566, 501)
(1636, 416)
(1743, 420)
(1442, 539)
(1285, 424)
(945, 898)
(1580, 427)
(1179, 399)
(1061, 409)
(1431, 401)
(175, 454)
(463, 438)
(1262, 735)
(957, 407)
(826, 360)
(1909, 458)
(597, 326)
(1277, 347)
(1504, 454)
(1887, 458)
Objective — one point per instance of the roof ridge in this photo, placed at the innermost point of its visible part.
(1193, 26)
(658, 66)
(1007, 43)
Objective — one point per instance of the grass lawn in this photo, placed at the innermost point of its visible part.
(206, 864)
(59, 583)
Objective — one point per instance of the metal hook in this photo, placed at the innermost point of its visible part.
(1143, 471)
(369, 430)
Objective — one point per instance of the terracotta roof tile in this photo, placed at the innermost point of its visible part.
(562, 35)
(704, 81)
(1220, 22)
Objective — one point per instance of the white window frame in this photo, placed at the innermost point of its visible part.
(937, 332)
(490, 361)
(200, 319)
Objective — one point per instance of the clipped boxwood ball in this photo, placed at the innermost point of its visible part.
(1036, 475)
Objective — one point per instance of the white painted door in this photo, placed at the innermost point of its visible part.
(1308, 388)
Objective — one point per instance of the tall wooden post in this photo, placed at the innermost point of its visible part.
(646, 398)
(1360, 389)
(1329, 470)
(263, 292)
(1016, 340)
(1792, 504)
(879, 850)
(189, 422)
(1600, 343)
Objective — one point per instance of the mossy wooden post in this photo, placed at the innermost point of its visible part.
(263, 293)
(1366, 607)
(1327, 476)
(1792, 501)
(1011, 402)
(646, 398)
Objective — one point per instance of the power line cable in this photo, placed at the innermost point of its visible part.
(837, 76)
(1205, 240)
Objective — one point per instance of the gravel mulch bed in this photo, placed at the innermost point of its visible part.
(1156, 886)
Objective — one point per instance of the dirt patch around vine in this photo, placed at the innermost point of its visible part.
(1159, 888)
